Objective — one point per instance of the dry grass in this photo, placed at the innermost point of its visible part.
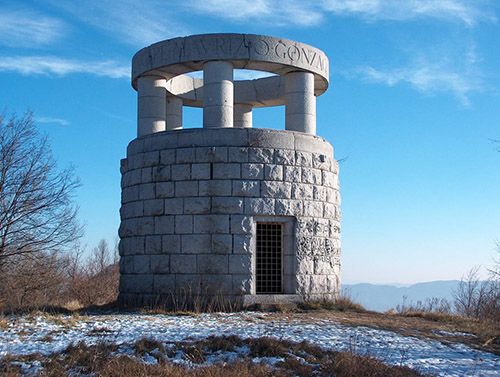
(4, 323)
(297, 359)
(341, 304)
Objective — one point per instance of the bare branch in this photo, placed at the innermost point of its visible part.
(37, 212)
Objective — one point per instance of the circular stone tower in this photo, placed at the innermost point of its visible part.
(227, 210)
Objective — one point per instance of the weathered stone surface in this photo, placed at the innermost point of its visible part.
(183, 263)
(153, 207)
(292, 173)
(259, 206)
(181, 172)
(151, 158)
(127, 265)
(142, 283)
(242, 284)
(273, 172)
(142, 264)
(302, 191)
(222, 243)
(186, 155)
(188, 284)
(303, 159)
(133, 177)
(165, 189)
(242, 224)
(212, 264)
(211, 224)
(252, 171)
(227, 205)
(164, 283)
(320, 193)
(146, 175)
(161, 173)
(284, 156)
(153, 244)
(312, 176)
(215, 188)
(196, 243)
(167, 156)
(197, 205)
(217, 284)
(164, 225)
(243, 244)
(238, 154)
(288, 207)
(200, 171)
(227, 171)
(184, 224)
(160, 264)
(276, 189)
(130, 194)
(211, 154)
(261, 155)
(186, 188)
(132, 209)
(246, 188)
(240, 264)
(147, 191)
(132, 246)
(171, 243)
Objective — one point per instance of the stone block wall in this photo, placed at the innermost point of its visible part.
(191, 199)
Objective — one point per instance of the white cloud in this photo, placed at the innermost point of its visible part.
(138, 23)
(62, 122)
(46, 65)
(432, 76)
(29, 29)
(466, 11)
(276, 12)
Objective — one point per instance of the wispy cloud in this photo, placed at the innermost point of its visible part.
(466, 11)
(46, 65)
(432, 76)
(29, 29)
(138, 23)
(62, 122)
(277, 12)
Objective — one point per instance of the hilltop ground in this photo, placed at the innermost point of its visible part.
(248, 343)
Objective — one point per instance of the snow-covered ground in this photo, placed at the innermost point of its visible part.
(45, 335)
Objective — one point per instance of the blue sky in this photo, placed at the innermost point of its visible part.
(411, 110)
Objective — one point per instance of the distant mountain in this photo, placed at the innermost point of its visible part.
(385, 297)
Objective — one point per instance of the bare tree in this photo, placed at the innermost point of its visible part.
(95, 281)
(37, 213)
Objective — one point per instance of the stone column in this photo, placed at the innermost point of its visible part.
(242, 115)
(174, 113)
(218, 94)
(300, 102)
(151, 105)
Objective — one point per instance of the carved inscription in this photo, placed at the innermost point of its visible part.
(232, 47)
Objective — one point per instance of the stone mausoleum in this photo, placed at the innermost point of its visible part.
(228, 210)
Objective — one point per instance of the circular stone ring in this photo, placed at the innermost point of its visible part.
(280, 56)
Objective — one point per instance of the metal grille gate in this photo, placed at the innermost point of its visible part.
(269, 271)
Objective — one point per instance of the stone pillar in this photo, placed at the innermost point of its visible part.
(174, 113)
(242, 115)
(151, 105)
(218, 94)
(300, 102)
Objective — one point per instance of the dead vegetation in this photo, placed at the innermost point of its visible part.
(284, 358)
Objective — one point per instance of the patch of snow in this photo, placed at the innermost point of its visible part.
(424, 355)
